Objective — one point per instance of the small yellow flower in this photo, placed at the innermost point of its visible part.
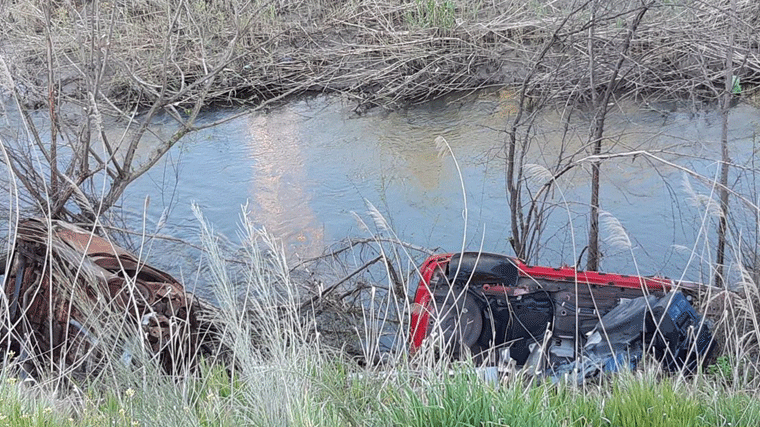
(130, 392)
(11, 380)
(47, 410)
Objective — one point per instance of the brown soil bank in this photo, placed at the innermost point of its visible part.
(389, 53)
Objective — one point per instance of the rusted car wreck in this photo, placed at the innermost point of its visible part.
(74, 298)
(499, 310)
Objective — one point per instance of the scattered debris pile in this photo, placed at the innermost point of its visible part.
(554, 321)
(74, 297)
(667, 326)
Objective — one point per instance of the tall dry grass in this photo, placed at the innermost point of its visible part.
(389, 53)
(276, 370)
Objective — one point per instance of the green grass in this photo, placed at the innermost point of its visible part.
(643, 402)
(463, 399)
(22, 406)
(337, 397)
(432, 14)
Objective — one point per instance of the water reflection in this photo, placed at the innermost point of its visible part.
(307, 165)
(279, 184)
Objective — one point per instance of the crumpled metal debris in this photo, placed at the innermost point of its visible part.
(72, 296)
(667, 327)
(502, 312)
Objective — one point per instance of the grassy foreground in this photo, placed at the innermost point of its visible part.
(328, 393)
(285, 375)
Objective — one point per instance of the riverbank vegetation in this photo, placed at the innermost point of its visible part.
(277, 370)
(336, 398)
(278, 365)
(72, 68)
(389, 53)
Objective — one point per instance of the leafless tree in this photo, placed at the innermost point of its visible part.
(556, 77)
(720, 252)
(82, 168)
(601, 106)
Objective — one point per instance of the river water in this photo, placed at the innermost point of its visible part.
(306, 171)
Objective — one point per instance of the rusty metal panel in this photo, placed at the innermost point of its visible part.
(65, 283)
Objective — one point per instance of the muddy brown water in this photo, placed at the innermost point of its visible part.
(305, 170)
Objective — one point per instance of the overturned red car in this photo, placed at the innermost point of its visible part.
(492, 307)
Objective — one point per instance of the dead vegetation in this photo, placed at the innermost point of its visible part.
(389, 54)
(73, 69)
